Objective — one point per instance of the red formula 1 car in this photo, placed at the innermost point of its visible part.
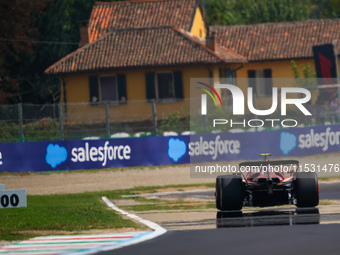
(267, 183)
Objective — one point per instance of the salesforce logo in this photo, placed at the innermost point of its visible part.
(177, 149)
(102, 154)
(288, 142)
(55, 155)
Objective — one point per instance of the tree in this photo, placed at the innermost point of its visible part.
(35, 34)
(233, 12)
(17, 44)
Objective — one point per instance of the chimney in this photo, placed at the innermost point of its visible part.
(83, 32)
(210, 41)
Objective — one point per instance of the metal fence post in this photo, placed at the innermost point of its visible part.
(21, 126)
(107, 121)
(61, 128)
(154, 116)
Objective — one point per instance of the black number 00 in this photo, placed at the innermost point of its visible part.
(13, 200)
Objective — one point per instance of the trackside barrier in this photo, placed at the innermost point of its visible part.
(160, 150)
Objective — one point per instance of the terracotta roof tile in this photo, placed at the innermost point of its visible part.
(146, 47)
(221, 52)
(278, 41)
(140, 14)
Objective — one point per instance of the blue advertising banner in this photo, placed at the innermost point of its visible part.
(159, 150)
(89, 154)
(280, 143)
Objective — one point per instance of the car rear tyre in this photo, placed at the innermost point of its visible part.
(307, 189)
(218, 192)
(229, 192)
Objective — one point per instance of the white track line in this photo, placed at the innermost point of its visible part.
(157, 228)
(157, 231)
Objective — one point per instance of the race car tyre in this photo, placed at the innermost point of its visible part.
(231, 193)
(307, 189)
(218, 192)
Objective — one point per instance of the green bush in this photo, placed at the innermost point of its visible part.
(42, 130)
(9, 132)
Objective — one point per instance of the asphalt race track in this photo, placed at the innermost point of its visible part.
(283, 231)
(296, 239)
(329, 190)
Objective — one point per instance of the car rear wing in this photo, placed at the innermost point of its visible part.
(272, 163)
(247, 167)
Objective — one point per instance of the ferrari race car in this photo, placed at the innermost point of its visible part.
(267, 183)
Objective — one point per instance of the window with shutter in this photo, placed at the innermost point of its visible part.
(108, 89)
(111, 89)
(164, 86)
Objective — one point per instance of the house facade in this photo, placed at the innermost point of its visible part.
(151, 55)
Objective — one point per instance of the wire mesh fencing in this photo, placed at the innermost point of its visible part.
(29, 122)
(60, 121)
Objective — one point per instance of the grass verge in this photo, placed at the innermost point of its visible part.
(69, 213)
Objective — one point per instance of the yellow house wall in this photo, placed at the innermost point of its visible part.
(280, 69)
(198, 27)
(136, 108)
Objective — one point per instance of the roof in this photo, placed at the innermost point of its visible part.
(278, 41)
(140, 14)
(142, 47)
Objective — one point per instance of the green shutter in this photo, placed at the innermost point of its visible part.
(150, 85)
(94, 90)
(229, 75)
(268, 81)
(251, 79)
(121, 80)
(178, 84)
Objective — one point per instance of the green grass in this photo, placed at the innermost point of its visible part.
(67, 212)
(327, 202)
